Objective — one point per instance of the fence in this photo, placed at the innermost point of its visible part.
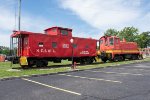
(146, 52)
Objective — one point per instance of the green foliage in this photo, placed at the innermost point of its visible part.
(129, 33)
(111, 32)
(143, 39)
(4, 50)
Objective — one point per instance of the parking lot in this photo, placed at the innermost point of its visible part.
(125, 82)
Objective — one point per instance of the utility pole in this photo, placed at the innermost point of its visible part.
(19, 14)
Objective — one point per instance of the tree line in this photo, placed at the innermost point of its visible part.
(4, 50)
(131, 34)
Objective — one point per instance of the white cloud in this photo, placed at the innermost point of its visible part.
(104, 14)
(29, 22)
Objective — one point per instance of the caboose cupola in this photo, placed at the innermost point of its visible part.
(60, 31)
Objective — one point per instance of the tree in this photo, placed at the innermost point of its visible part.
(111, 32)
(129, 33)
(4, 50)
(143, 39)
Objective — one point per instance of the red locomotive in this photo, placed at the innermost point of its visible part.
(111, 48)
(54, 45)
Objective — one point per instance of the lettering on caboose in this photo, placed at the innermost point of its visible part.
(45, 50)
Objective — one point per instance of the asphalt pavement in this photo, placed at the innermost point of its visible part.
(125, 82)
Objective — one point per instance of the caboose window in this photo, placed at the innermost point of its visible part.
(54, 29)
(41, 44)
(111, 41)
(64, 32)
(54, 44)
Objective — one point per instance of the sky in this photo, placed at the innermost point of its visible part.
(87, 18)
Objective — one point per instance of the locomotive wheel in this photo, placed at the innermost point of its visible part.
(116, 58)
(134, 57)
(120, 58)
(104, 59)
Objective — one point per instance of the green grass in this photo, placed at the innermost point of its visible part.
(16, 71)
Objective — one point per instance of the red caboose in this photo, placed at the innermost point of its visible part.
(112, 48)
(54, 45)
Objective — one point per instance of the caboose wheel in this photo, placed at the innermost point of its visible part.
(82, 62)
(39, 63)
(45, 62)
(89, 60)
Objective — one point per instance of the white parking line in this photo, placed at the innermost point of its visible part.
(116, 73)
(98, 79)
(49, 86)
(134, 69)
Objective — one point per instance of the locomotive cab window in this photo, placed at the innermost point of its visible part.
(64, 32)
(111, 41)
(54, 44)
(41, 44)
(101, 41)
(117, 41)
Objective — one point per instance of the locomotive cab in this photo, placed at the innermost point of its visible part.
(108, 44)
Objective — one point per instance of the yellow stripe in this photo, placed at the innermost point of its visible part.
(116, 73)
(60, 89)
(121, 51)
(98, 79)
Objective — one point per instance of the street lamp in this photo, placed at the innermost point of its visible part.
(71, 40)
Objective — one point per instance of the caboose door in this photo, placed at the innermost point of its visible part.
(25, 46)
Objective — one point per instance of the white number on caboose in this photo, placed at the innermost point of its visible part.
(84, 52)
(65, 45)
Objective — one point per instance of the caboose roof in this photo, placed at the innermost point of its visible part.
(58, 28)
(16, 33)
